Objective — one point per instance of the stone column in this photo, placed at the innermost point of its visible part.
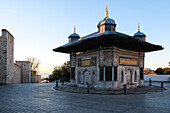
(70, 66)
(76, 76)
(104, 66)
(104, 76)
(98, 67)
(112, 67)
(139, 81)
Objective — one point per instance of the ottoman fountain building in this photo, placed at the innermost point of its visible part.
(107, 58)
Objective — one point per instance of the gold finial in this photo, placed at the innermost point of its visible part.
(138, 28)
(107, 12)
(74, 29)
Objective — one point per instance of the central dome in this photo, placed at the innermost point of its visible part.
(139, 34)
(74, 35)
(106, 24)
(106, 21)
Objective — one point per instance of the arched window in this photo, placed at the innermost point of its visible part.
(135, 78)
(122, 76)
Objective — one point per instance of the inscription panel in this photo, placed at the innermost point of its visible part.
(128, 61)
(86, 63)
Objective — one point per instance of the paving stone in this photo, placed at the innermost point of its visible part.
(42, 98)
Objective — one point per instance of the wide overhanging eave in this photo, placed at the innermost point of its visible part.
(120, 41)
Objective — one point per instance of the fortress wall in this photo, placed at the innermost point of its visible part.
(25, 71)
(36, 79)
(3, 59)
(15, 75)
(11, 73)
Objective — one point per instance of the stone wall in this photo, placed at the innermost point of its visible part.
(25, 71)
(11, 73)
(36, 79)
(87, 73)
(15, 74)
(3, 59)
(109, 58)
(10, 57)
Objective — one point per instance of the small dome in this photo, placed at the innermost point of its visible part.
(139, 34)
(107, 21)
(74, 35)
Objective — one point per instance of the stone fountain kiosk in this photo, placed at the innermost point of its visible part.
(107, 58)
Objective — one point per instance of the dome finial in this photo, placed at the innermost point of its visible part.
(74, 29)
(107, 12)
(138, 27)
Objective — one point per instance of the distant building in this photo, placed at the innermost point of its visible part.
(149, 71)
(36, 79)
(10, 72)
(107, 58)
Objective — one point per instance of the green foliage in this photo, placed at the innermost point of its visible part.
(61, 72)
(162, 71)
(166, 70)
(159, 70)
(35, 62)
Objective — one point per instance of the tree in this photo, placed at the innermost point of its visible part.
(34, 64)
(61, 72)
(166, 70)
(66, 70)
(159, 70)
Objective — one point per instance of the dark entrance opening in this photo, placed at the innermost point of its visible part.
(72, 73)
(108, 73)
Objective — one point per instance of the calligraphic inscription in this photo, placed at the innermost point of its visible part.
(86, 62)
(128, 61)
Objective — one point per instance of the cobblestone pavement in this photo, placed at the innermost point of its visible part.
(139, 90)
(42, 98)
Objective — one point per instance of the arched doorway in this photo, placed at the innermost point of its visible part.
(87, 77)
(129, 78)
(129, 73)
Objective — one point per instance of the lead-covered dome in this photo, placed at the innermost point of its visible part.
(74, 36)
(106, 24)
(139, 34)
(106, 21)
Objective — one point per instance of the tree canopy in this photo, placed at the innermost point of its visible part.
(165, 70)
(35, 62)
(61, 72)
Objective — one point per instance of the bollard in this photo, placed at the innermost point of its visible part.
(56, 83)
(124, 88)
(150, 82)
(62, 82)
(162, 84)
(88, 87)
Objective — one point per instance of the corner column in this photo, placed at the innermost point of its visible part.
(98, 67)
(112, 63)
(112, 67)
(76, 77)
(104, 71)
(70, 66)
(104, 66)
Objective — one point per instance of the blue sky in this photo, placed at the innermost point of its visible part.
(41, 25)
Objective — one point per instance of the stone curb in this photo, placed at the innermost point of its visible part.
(140, 90)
